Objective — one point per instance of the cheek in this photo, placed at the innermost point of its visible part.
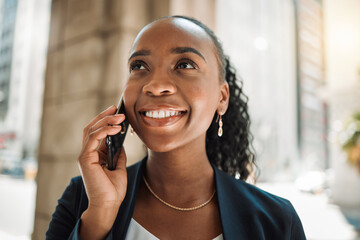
(206, 92)
(204, 101)
(200, 98)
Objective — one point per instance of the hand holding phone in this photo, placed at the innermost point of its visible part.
(105, 189)
(114, 143)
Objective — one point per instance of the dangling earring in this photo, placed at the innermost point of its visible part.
(220, 130)
(131, 131)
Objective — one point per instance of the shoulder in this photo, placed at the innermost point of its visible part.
(255, 202)
(260, 212)
(73, 190)
(76, 181)
(251, 193)
(74, 197)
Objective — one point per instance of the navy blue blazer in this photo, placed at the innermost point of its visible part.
(246, 211)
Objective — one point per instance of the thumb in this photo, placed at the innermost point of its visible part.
(121, 163)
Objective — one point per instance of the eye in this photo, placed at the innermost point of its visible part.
(137, 65)
(186, 65)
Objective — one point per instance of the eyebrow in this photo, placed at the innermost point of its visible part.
(177, 50)
(139, 53)
(180, 50)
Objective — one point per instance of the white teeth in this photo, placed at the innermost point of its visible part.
(161, 114)
(149, 114)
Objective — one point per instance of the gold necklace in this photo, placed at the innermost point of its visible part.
(174, 207)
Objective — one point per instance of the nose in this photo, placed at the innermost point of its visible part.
(159, 84)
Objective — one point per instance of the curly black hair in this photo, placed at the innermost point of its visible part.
(232, 152)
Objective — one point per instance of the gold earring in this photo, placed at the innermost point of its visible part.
(220, 130)
(131, 131)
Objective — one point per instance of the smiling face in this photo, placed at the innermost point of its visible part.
(173, 88)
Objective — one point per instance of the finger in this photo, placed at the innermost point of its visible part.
(109, 111)
(108, 120)
(98, 135)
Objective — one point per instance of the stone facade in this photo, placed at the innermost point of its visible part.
(89, 44)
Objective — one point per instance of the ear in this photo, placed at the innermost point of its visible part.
(224, 98)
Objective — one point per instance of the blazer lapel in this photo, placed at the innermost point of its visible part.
(126, 210)
(232, 209)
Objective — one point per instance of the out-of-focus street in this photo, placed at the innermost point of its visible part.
(17, 205)
(321, 219)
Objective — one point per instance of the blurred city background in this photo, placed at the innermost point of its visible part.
(64, 61)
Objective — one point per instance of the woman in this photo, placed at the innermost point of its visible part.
(183, 101)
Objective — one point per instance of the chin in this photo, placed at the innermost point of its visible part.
(160, 147)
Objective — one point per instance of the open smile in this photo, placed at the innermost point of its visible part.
(162, 114)
(160, 118)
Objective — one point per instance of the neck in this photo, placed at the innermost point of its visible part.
(181, 174)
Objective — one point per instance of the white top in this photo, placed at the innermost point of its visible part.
(138, 232)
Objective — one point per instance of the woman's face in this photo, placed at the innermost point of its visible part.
(173, 88)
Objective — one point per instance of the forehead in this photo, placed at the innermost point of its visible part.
(172, 32)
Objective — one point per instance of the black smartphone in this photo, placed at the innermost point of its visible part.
(114, 143)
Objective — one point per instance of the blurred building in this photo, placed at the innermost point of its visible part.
(277, 49)
(343, 96)
(23, 46)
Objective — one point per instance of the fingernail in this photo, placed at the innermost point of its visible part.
(110, 107)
